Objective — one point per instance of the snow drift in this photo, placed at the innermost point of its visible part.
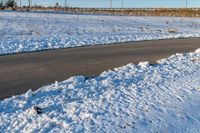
(134, 98)
(24, 32)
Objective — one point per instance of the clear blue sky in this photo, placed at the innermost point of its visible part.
(118, 3)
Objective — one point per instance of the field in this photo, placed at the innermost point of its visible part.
(142, 98)
(171, 12)
(23, 32)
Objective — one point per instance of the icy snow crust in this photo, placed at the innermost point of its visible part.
(23, 32)
(133, 98)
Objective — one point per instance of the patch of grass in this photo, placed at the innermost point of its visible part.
(171, 30)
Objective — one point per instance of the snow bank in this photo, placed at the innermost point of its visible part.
(23, 32)
(133, 98)
(198, 50)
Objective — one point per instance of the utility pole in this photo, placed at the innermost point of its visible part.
(122, 4)
(65, 8)
(110, 4)
(186, 3)
(65, 3)
(20, 3)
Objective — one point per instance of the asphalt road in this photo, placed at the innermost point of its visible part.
(21, 72)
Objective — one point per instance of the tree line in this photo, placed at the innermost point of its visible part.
(13, 3)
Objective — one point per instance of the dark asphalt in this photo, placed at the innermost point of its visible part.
(20, 72)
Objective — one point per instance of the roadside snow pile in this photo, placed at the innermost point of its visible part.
(134, 98)
(23, 32)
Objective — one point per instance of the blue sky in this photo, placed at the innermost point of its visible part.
(118, 3)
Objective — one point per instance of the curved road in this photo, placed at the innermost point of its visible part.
(20, 72)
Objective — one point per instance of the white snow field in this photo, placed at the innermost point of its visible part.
(139, 98)
(23, 32)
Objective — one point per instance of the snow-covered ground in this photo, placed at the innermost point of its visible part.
(133, 98)
(22, 32)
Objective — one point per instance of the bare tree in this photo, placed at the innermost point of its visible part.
(11, 3)
(29, 3)
(1, 3)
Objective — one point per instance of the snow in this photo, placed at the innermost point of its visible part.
(24, 32)
(198, 50)
(163, 97)
(28, 94)
(143, 64)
